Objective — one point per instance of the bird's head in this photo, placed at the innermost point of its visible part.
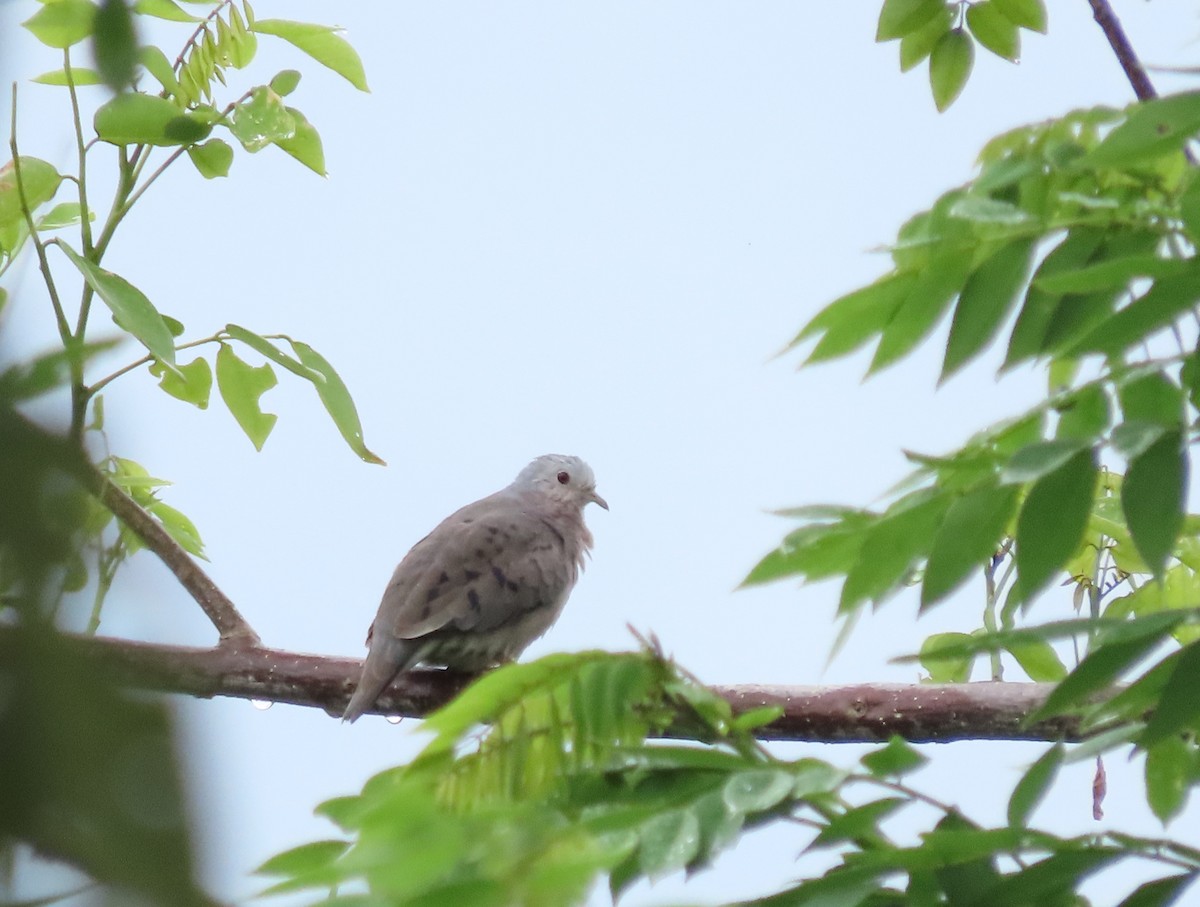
(563, 478)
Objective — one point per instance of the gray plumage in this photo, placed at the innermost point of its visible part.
(488, 581)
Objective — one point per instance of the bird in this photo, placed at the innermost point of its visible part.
(486, 582)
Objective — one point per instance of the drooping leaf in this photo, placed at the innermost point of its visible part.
(1030, 14)
(968, 535)
(994, 30)
(1170, 765)
(131, 310)
(304, 144)
(1154, 310)
(337, 400)
(950, 65)
(1033, 786)
(241, 385)
(898, 18)
(115, 44)
(1178, 708)
(986, 299)
(921, 308)
(917, 45)
(1053, 519)
(892, 548)
(850, 321)
(1153, 496)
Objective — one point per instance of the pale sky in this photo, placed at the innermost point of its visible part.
(573, 228)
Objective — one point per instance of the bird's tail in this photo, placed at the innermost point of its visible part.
(387, 657)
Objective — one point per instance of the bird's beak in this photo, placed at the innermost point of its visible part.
(596, 499)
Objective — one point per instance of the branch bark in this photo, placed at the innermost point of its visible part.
(1126, 56)
(858, 713)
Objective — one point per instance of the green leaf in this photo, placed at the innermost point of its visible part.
(1038, 659)
(336, 397)
(1033, 786)
(1178, 708)
(950, 66)
(897, 757)
(1029, 14)
(320, 42)
(918, 313)
(816, 551)
(1110, 273)
(1169, 298)
(285, 82)
(163, 9)
(131, 310)
(669, 841)
(757, 790)
(1085, 415)
(305, 144)
(264, 346)
(1028, 337)
(1152, 498)
(26, 380)
(261, 120)
(241, 385)
(1053, 519)
(994, 30)
(1033, 461)
(1054, 879)
(115, 44)
(191, 383)
(179, 527)
(62, 23)
(967, 537)
(1151, 128)
(946, 666)
(303, 859)
(142, 119)
(985, 301)
(898, 18)
(157, 64)
(39, 181)
(915, 46)
(1151, 397)
(851, 320)
(1102, 666)
(1169, 768)
(79, 76)
(1161, 892)
(892, 548)
(212, 159)
(983, 209)
(66, 214)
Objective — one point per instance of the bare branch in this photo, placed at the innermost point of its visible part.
(1134, 71)
(921, 713)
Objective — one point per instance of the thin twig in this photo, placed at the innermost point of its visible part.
(1134, 71)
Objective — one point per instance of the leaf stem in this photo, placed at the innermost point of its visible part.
(146, 360)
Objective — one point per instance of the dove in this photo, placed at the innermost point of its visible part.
(488, 581)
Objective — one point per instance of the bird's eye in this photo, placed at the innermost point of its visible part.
(563, 478)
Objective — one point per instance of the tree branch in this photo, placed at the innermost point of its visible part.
(15, 429)
(216, 604)
(1134, 71)
(858, 713)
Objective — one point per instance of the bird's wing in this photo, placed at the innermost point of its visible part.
(483, 566)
